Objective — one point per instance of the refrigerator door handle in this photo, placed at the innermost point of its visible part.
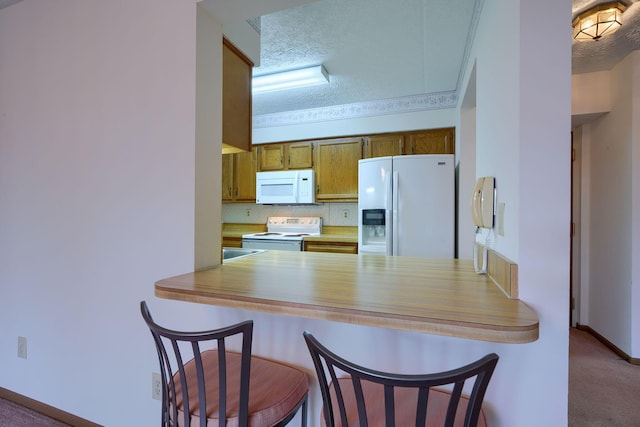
(388, 201)
(394, 214)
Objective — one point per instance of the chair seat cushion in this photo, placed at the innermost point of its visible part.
(275, 390)
(406, 402)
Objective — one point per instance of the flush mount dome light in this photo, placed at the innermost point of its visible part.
(598, 21)
(302, 77)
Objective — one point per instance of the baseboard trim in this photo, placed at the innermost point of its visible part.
(45, 409)
(611, 346)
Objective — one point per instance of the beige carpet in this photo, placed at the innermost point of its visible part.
(604, 390)
(14, 415)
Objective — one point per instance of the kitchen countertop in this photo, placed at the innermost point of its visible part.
(442, 297)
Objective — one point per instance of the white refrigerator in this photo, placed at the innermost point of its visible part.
(406, 205)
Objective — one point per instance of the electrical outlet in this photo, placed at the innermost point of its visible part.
(156, 386)
(345, 213)
(22, 347)
(248, 212)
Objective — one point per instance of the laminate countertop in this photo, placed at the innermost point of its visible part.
(442, 297)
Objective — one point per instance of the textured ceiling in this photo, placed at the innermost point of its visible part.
(373, 49)
(380, 49)
(590, 56)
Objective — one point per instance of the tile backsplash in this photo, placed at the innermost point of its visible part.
(336, 214)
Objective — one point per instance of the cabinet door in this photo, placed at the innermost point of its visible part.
(227, 178)
(384, 145)
(436, 141)
(300, 155)
(236, 98)
(245, 176)
(337, 169)
(271, 157)
(333, 247)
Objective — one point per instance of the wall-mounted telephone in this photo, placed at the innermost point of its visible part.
(482, 202)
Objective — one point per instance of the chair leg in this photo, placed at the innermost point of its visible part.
(304, 411)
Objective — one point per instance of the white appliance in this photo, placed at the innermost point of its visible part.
(283, 233)
(406, 205)
(285, 187)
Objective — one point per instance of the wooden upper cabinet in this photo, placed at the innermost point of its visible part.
(300, 155)
(236, 99)
(239, 177)
(435, 141)
(294, 155)
(271, 157)
(384, 145)
(336, 166)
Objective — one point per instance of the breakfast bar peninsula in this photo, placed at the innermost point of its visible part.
(433, 296)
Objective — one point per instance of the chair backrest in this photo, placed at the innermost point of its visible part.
(177, 349)
(378, 395)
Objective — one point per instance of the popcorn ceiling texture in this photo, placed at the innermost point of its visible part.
(373, 50)
(379, 54)
(590, 56)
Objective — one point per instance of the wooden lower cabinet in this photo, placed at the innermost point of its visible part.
(334, 247)
(231, 242)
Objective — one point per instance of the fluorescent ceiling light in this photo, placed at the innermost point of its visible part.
(302, 77)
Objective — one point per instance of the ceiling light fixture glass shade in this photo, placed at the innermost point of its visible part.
(302, 77)
(598, 21)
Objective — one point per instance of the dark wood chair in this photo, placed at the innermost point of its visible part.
(357, 396)
(205, 384)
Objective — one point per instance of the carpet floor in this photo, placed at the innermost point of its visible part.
(603, 388)
(14, 415)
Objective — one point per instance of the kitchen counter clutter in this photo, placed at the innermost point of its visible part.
(441, 297)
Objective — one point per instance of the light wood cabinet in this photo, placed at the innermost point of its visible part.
(391, 144)
(434, 141)
(236, 99)
(300, 155)
(334, 247)
(271, 157)
(336, 166)
(239, 177)
(286, 156)
(231, 242)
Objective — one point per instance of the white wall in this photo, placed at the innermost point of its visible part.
(523, 140)
(429, 119)
(611, 212)
(97, 133)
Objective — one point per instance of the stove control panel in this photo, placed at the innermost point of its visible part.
(293, 221)
(298, 224)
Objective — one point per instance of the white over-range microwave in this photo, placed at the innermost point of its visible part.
(285, 187)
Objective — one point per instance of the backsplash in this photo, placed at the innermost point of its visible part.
(335, 214)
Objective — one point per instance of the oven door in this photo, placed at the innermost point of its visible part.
(279, 245)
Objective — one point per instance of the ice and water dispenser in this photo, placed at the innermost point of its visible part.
(373, 227)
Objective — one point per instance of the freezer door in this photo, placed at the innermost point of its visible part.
(424, 208)
(374, 192)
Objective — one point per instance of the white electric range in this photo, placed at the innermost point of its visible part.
(284, 233)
